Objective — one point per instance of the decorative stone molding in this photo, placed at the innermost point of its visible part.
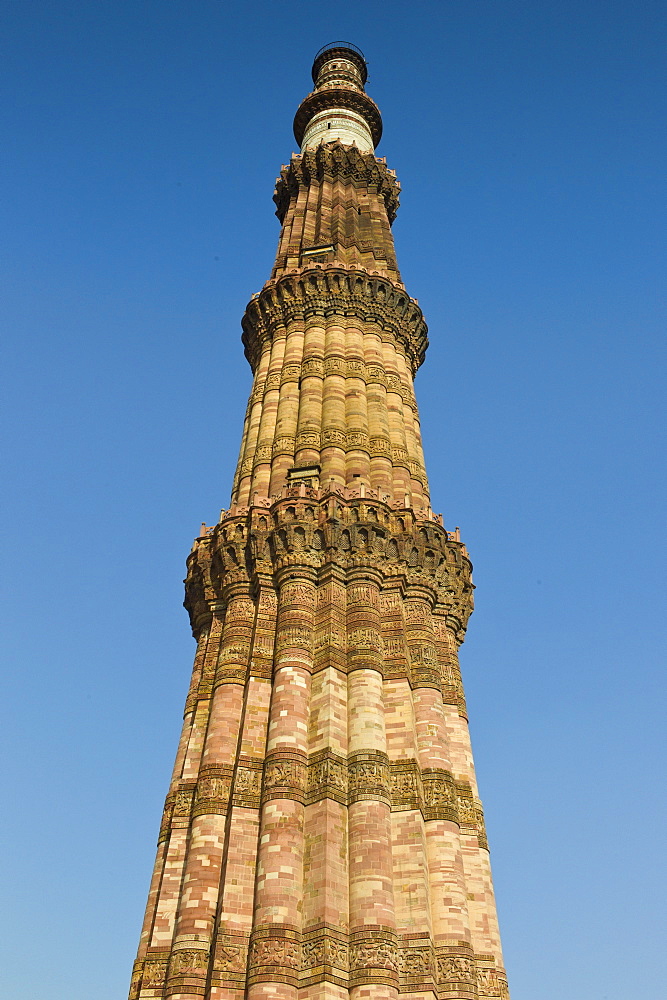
(310, 530)
(417, 965)
(457, 973)
(275, 954)
(188, 963)
(440, 801)
(182, 805)
(320, 368)
(248, 784)
(334, 289)
(324, 950)
(373, 957)
(407, 788)
(327, 778)
(230, 959)
(154, 973)
(165, 823)
(284, 776)
(491, 984)
(368, 775)
(338, 97)
(212, 793)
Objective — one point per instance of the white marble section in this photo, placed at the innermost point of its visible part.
(338, 123)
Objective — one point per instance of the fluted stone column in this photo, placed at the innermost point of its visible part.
(275, 947)
(373, 941)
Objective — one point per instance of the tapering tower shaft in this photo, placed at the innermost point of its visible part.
(322, 837)
(333, 338)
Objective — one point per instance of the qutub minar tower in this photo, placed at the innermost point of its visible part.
(322, 836)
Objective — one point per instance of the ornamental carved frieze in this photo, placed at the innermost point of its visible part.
(212, 793)
(417, 965)
(364, 640)
(333, 289)
(491, 984)
(440, 795)
(395, 665)
(466, 806)
(294, 637)
(371, 374)
(290, 372)
(373, 958)
(379, 447)
(182, 805)
(333, 437)
(309, 530)
(324, 948)
(471, 814)
(283, 445)
(135, 979)
(357, 439)
(368, 776)
(312, 368)
(327, 777)
(336, 161)
(248, 784)
(455, 969)
(154, 973)
(275, 951)
(284, 777)
(165, 823)
(426, 671)
(231, 955)
(407, 789)
(308, 439)
(189, 962)
(234, 653)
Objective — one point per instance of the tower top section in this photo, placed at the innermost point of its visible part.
(340, 50)
(339, 108)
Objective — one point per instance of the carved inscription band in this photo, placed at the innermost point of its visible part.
(282, 954)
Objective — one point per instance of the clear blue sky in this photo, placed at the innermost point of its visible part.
(141, 142)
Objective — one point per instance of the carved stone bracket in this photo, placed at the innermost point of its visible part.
(386, 542)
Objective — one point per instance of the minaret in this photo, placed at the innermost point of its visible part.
(323, 836)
